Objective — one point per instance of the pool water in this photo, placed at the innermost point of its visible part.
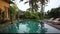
(30, 26)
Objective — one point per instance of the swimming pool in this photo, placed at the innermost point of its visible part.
(30, 26)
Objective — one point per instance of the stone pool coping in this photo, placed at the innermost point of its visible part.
(3, 26)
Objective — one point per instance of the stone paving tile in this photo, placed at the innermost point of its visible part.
(56, 26)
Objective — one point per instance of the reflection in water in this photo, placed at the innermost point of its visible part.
(23, 28)
(17, 25)
(42, 27)
(27, 26)
(12, 29)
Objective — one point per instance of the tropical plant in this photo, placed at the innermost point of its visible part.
(13, 11)
(43, 2)
(35, 16)
(29, 15)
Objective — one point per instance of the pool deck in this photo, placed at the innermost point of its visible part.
(5, 26)
(53, 25)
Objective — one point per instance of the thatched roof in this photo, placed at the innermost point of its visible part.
(8, 1)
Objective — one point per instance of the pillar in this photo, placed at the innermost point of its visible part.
(6, 16)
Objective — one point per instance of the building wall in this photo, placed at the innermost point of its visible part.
(3, 4)
(4, 7)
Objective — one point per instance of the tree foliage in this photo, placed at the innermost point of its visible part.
(33, 5)
(13, 9)
(55, 12)
(28, 15)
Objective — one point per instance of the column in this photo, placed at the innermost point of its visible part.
(6, 17)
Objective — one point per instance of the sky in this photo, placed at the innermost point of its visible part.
(51, 4)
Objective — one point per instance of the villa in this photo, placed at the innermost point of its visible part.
(4, 7)
(18, 17)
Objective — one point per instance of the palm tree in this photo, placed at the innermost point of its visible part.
(13, 11)
(32, 4)
(43, 2)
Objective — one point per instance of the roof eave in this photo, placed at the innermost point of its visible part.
(8, 1)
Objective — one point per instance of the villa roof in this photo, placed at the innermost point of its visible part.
(8, 1)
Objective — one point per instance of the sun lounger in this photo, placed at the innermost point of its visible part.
(50, 20)
(57, 21)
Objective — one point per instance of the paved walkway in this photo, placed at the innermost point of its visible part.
(56, 26)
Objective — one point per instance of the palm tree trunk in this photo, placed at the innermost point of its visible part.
(11, 18)
(32, 7)
(35, 7)
(42, 12)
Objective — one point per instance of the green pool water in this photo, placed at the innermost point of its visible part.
(29, 26)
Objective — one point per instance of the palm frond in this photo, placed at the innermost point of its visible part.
(26, 2)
